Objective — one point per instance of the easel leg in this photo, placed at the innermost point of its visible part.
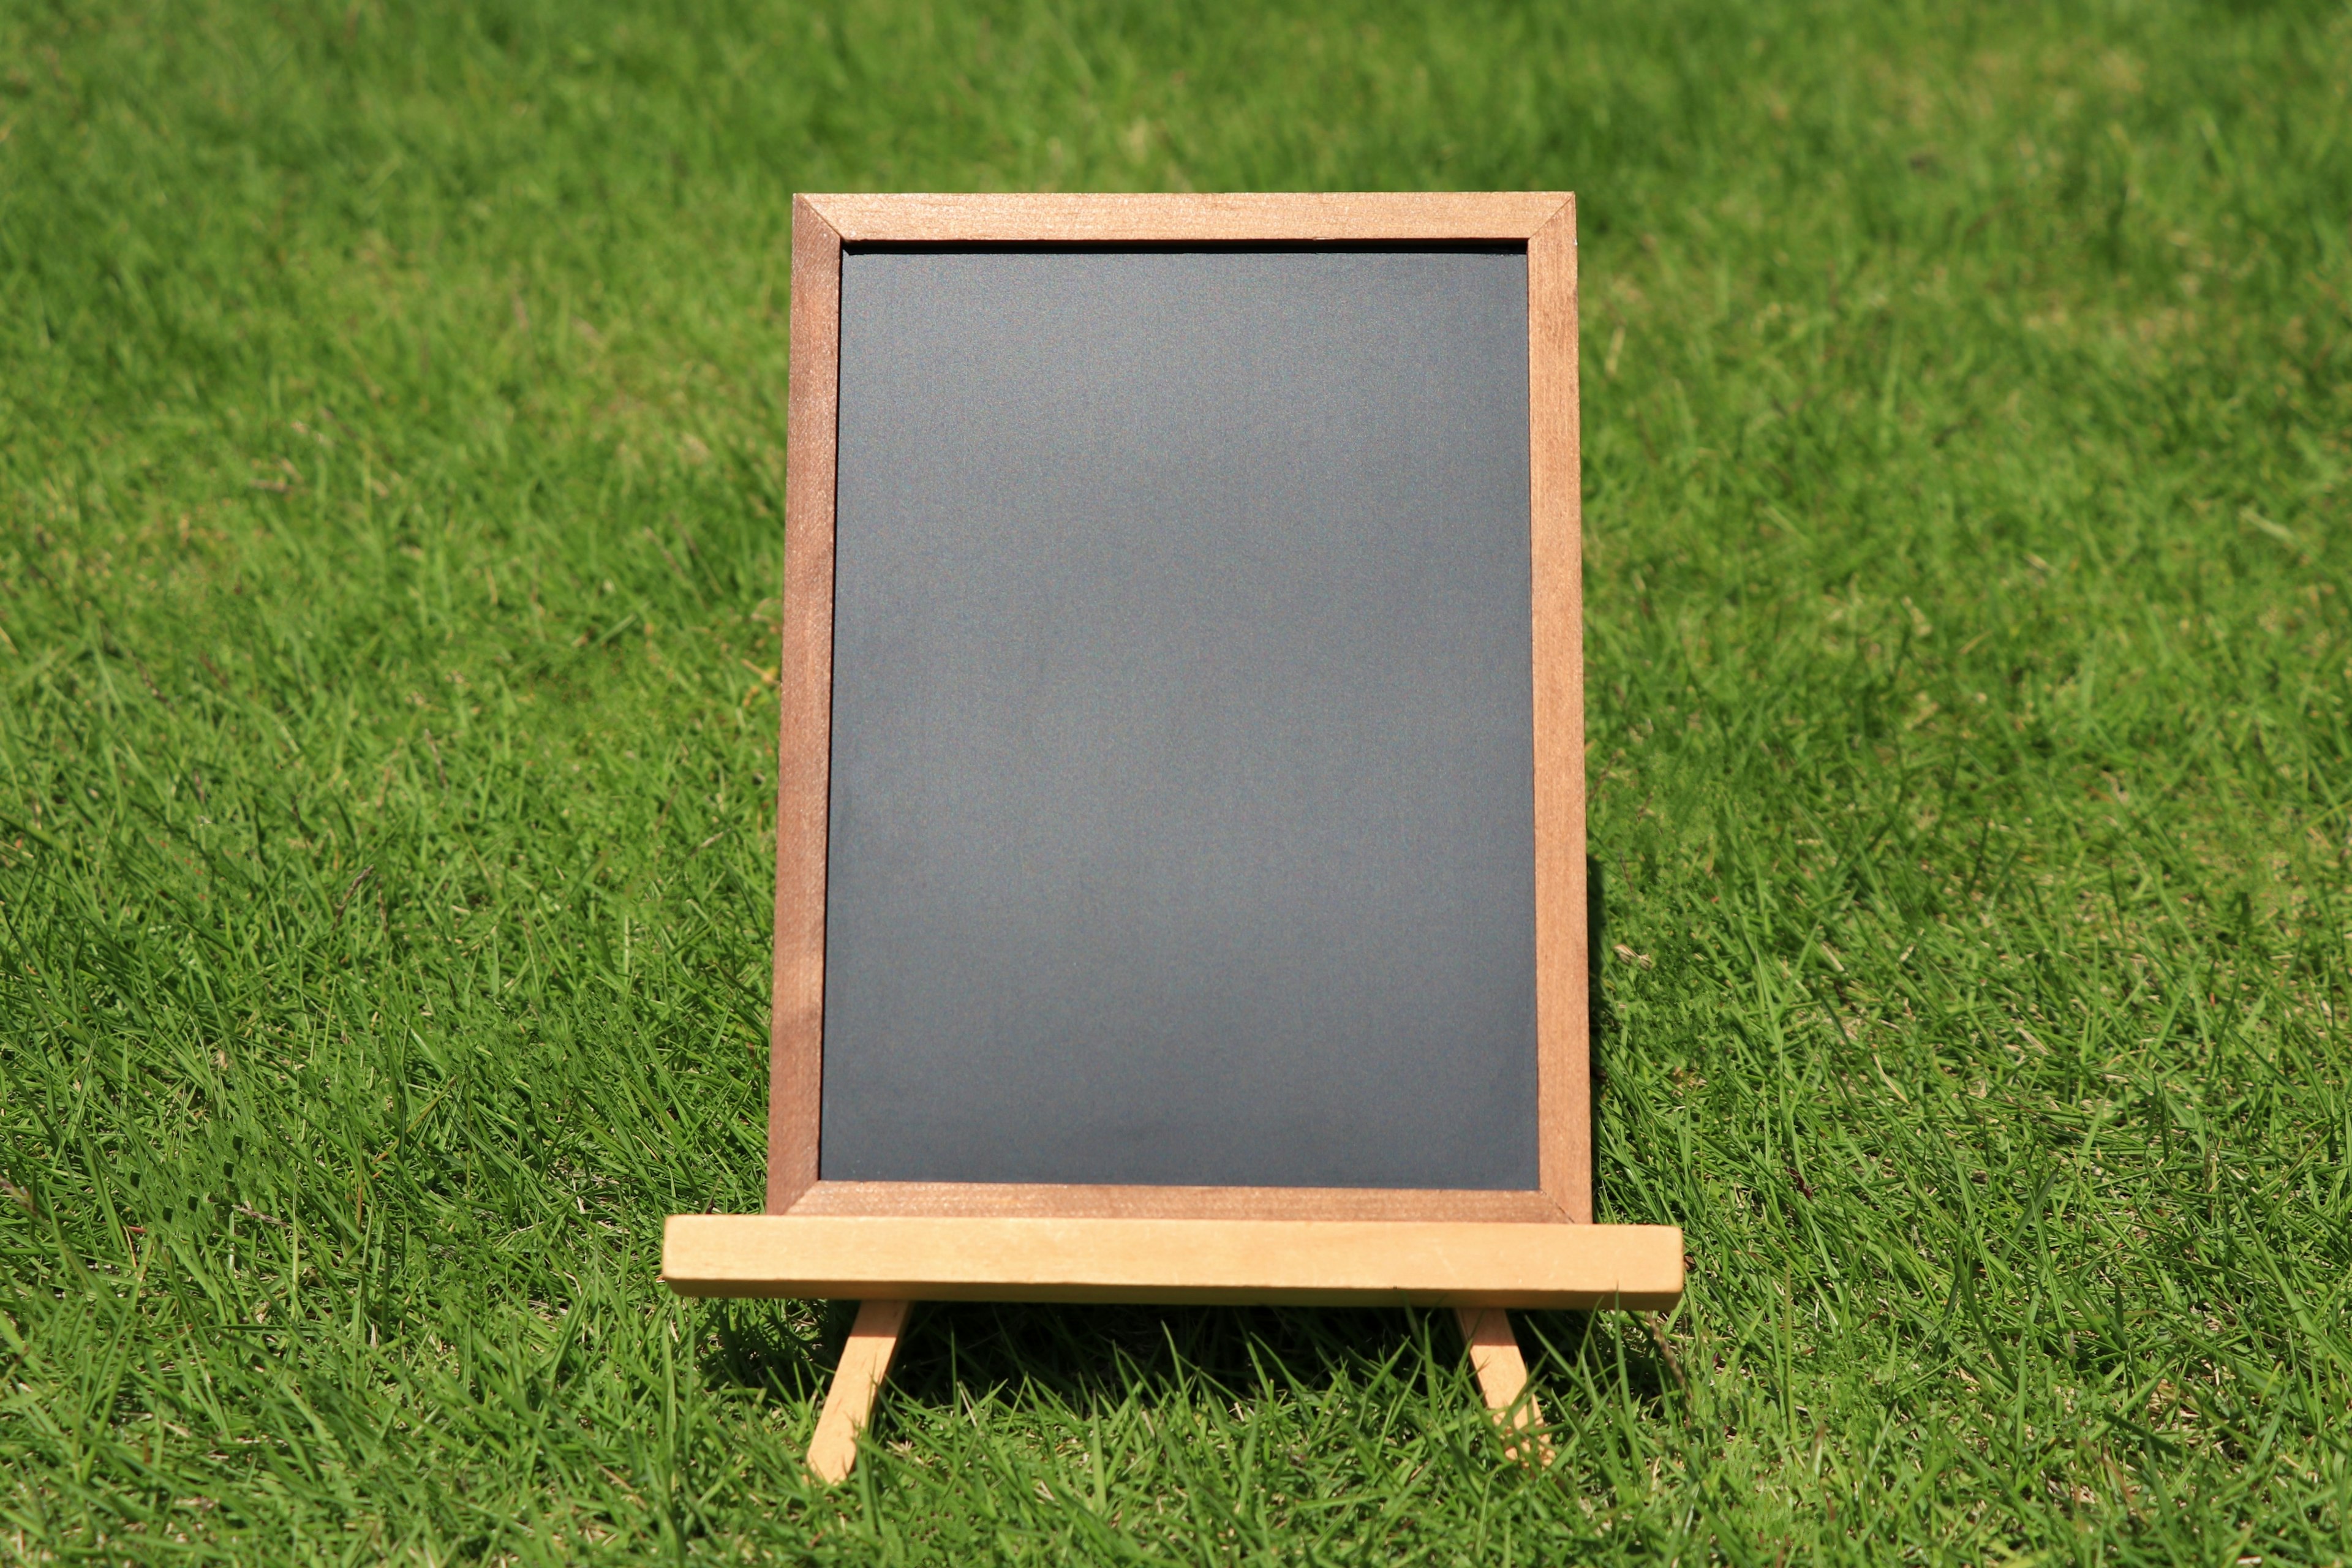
(849, 1403)
(1502, 1377)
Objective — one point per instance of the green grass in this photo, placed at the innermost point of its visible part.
(391, 423)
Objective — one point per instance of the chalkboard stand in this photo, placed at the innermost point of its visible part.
(1478, 1249)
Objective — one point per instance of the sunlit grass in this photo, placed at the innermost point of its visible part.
(390, 490)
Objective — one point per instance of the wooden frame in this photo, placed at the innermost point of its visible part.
(1546, 223)
(892, 1245)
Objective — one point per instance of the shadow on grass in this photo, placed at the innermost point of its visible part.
(1082, 1357)
(785, 1350)
(1091, 1360)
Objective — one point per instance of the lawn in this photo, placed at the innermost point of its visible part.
(391, 463)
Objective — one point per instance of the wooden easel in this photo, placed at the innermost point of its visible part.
(886, 1244)
(874, 1340)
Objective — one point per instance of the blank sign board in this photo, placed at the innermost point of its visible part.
(1181, 796)
(1180, 803)
(1180, 828)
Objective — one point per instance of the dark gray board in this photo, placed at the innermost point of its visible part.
(1182, 818)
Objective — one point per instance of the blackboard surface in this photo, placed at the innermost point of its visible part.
(1182, 807)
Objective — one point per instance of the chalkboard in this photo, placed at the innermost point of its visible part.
(1180, 807)
(1181, 803)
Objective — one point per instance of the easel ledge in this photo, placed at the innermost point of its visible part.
(1632, 1267)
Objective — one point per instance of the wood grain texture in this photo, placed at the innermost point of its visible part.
(1298, 1262)
(1502, 1374)
(1233, 218)
(856, 1382)
(804, 744)
(1555, 513)
(1045, 1201)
